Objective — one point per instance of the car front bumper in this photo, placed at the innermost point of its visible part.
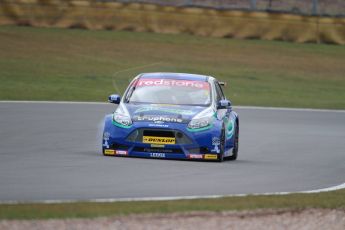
(198, 145)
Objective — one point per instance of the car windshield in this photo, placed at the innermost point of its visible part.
(170, 91)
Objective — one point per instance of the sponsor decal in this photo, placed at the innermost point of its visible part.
(121, 152)
(157, 146)
(106, 136)
(195, 156)
(216, 144)
(211, 157)
(157, 155)
(158, 140)
(172, 82)
(153, 150)
(109, 152)
(230, 129)
(159, 125)
(155, 119)
(162, 109)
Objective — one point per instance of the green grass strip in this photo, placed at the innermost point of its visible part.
(83, 65)
(330, 200)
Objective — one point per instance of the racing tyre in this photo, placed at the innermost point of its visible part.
(235, 149)
(222, 146)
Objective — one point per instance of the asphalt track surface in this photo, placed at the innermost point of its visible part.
(52, 152)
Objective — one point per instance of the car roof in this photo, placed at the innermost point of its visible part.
(176, 76)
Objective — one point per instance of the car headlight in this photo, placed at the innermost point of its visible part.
(202, 119)
(200, 122)
(122, 117)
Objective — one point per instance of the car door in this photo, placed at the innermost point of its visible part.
(223, 114)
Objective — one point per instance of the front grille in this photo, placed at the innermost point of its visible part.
(159, 133)
(119, 146)
(137, 135)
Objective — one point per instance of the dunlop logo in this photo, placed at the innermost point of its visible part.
(159, 140)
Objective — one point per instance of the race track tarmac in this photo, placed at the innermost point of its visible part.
(52, 152)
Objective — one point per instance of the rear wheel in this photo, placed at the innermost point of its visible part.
(235, 149)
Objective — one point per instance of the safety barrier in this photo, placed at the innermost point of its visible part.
(90, 14)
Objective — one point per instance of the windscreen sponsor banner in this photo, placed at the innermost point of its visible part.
(173, 83)
(165, 110)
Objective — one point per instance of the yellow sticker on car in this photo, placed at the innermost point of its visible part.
(159, 140)
(109, 152)
(210, 157)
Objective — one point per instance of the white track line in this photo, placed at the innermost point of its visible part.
(170, 198)
(236, 107)
(56, 102)
(289, 109)
(334, 188)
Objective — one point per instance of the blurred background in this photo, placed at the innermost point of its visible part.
(271, 52)
(303, 7)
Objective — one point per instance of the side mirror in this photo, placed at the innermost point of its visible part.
(114, 98)
(224, 104)
(222, 83)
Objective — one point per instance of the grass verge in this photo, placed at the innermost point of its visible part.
(82, 65)
(331, 200)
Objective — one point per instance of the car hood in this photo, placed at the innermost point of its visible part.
(163, 113)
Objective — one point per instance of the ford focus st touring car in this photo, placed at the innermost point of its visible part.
(172, 115)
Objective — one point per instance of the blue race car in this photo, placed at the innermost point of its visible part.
(172, 115)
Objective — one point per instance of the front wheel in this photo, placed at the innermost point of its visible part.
(235, 149)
